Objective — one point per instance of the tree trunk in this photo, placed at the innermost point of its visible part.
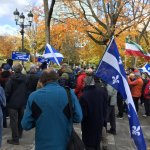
(48, 15)
(47, 27)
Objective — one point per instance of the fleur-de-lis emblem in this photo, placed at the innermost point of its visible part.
(120, 61)
(135, 130)
(115, 79)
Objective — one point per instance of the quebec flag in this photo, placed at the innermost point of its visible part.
(145, 68)
(111, 70)
(52, 54)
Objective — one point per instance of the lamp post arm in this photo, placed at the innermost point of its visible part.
(25, 25)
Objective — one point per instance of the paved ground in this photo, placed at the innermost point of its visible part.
(121, 141)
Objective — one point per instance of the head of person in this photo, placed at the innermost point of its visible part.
(48, 75)
(137, 73)
(33, 69)
(81, 71)
(43, 65)
(89, 71)
(89, 81)
(132, 76)
(17, 68)
(64, 66)
(131, 70)
(6, 67)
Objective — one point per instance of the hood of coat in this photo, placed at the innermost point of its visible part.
(68, 70)
(18, 77)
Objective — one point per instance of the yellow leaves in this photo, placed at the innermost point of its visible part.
(7, 45)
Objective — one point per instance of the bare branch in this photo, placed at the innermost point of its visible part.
(95, 17)
(103, 42)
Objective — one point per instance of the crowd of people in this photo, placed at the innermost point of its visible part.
(38, 99)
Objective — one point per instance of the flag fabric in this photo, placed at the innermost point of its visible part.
(111, 70)
(145, 68)
(42, 60)
(52, 54)
(132, 48)
(147, 56)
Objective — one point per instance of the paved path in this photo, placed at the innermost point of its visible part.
(121, 141)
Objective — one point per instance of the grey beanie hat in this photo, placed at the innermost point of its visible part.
(17, 68)
(89, 80)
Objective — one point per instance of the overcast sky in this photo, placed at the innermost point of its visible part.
(7, 23)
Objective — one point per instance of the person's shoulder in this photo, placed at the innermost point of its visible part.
(35, 94)
(1, 88)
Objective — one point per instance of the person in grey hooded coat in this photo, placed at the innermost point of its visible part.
(112, 100)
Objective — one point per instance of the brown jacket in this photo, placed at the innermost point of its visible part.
(136, 87)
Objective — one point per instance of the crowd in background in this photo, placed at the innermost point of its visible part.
(41, 92)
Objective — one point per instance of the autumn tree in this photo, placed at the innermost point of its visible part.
(109, 17)
(8, 44)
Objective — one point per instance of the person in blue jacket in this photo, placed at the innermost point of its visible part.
(2, 104)
(48, 111)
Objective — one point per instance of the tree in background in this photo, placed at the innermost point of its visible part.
(48, 15)
(109, 17)
(9, 44)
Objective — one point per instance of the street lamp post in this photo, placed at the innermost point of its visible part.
(20, 18)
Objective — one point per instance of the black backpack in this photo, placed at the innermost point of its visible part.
(72, 80)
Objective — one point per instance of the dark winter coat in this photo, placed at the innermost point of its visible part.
(4, 77)
(15, 90)
(31, 83)
(94, 107)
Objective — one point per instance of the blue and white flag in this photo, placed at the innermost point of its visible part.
(111, 70)
(52, 54)
(145, 68)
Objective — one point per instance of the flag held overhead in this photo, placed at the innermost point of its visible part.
(134, 49)
(52, 54)
(111, 70)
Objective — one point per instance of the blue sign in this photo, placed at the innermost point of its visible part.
(20, 56)
(41, 60)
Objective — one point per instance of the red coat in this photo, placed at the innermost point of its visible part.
(80, 84)
(136, 87)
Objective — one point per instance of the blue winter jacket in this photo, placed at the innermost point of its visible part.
(46, 110)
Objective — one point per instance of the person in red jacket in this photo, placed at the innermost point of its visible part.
(80, 83)
(146, 95)
(136, 88)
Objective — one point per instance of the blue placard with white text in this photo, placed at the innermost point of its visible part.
(20, 56)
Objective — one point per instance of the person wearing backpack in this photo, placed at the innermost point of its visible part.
(67, 77)
(146, 95)
(2, 104)
(48, 111)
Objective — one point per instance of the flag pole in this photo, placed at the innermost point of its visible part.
(135, 62)
(125, 59)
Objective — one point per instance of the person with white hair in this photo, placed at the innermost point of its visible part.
(94, 107)
(15, 90)
(32, 80)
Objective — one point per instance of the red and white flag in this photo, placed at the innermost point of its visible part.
(134, 49)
